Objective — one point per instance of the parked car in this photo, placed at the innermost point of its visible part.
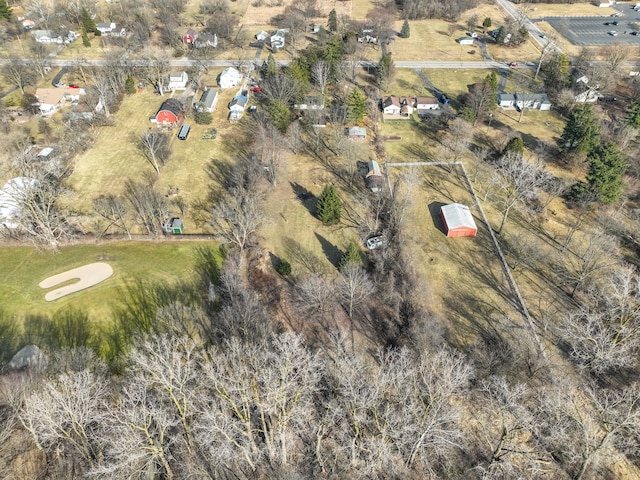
(615, 22)
(634, 33)
(543, 35)
(513, 64)
(59, 85)
(613, 33)
(74, 86)
(375, 242)
(256, 89)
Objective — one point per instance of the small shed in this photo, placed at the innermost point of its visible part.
(175, 226)
(458, 221)
(357, 133)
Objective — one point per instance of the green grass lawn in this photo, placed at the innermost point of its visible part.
(23, 268)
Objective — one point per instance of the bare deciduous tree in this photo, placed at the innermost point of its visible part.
(16, 73)
(354, 286)
(321, 73)
(114, 211)
(150, 208)
(236, 216)
(156, 148)
(67, 410)
(517, 181)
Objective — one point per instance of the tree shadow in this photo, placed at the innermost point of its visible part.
(333, 253)
(434, 210)
(307, 198)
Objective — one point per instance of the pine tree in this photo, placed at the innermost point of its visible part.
(357, 105)
(271, 68)
(130, 85)
(88, 25)
(85, 38)
(607, 165)
(329, 206)
(351, 255)
(384, 71)
(581, 133)
(633, 114)
(487, 23)
(405, 31)
(333, 21)
(515, 145)
(5, 10)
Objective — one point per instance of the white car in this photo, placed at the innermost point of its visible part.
(374, 242)
(613, 33)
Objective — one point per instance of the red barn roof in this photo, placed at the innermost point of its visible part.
(170, 111)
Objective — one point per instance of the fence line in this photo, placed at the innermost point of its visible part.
(503, 260)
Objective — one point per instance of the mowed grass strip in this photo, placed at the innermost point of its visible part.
(23, 268)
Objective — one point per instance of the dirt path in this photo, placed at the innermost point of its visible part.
(87, 275)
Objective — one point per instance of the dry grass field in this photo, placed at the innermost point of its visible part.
(115, 157)
(584, 9)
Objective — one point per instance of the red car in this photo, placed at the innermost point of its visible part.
(256, 89)
(513, 64)
(74, 86)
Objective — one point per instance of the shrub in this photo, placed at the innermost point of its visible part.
(203, 118)
(284, 268)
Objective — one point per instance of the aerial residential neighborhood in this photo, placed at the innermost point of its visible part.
(319, 240)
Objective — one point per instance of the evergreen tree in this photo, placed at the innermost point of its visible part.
(88, 25)
(491, 80)
(357, 105)
(405, 31)
(633, 114)
(515, 145)
(5, 10)
(581, 133)
(467, 114)
(384, 71)
(271, 68)
(280, 115)
(351, 255)
(283, 268)
(130, 85)
(487, 23)
(333, 21)
(85, 38)
(556, 72)
(333, 55)
(607, 165)
(329, 206)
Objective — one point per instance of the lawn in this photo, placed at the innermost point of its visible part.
(454, 82)
(114, 157)
(583, 9)
(22, 268)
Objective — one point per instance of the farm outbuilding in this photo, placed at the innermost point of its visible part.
(458, 221)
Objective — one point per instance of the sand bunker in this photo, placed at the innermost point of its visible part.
(88, 276)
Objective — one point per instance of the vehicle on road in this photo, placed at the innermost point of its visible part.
(543, 35)
(614, 22)
(634, 33)
(513, 64)
(375, 242)
(59, 85)
(74, 86)
(613, 33)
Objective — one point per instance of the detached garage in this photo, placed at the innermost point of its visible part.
(458, 221)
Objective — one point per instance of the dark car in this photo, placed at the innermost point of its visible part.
(615, 22)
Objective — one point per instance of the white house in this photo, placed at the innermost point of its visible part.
(536, 101)
(588, 96)
(11, 194)
(206, 40)
(506, 100)
(207, 101)
(391, 105)
(278, 38)
(110, 28)
(51, 99)
(427, 103)
(230, 77)
(236, 107)
(178, 81)
(47, 36)
(466, 40)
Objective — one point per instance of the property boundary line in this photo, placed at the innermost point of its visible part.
(505, 266)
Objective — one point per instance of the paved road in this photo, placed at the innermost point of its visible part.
(534, 31)
(187, 62)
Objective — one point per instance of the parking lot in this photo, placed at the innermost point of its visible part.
(593, 31)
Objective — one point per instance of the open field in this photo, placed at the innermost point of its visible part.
(22, 268)
(583, 9)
